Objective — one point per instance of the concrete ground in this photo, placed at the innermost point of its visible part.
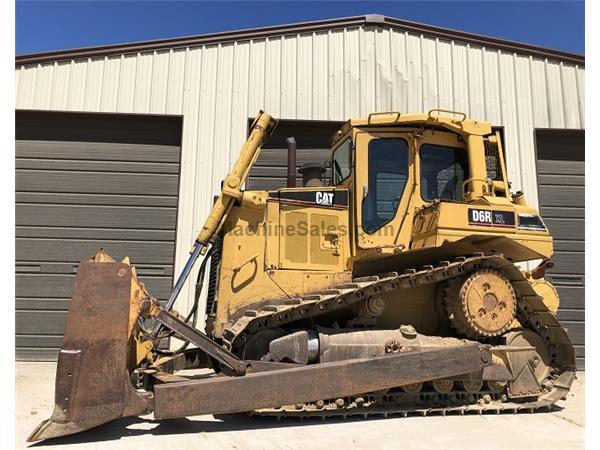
(563, 428)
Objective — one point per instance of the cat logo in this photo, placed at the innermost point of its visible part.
(324, 198)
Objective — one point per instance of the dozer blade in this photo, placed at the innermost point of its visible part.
(92, 380)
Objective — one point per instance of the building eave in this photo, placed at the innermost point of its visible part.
(373, 20)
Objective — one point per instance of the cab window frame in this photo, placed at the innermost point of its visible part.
(348, 140)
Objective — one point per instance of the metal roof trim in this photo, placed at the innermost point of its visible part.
(375, 20)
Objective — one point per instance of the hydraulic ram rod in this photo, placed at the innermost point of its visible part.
(252, 391)
(231, 191)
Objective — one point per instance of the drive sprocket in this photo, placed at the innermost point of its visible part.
(482, 305)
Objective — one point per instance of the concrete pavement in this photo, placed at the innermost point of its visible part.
(555, 430)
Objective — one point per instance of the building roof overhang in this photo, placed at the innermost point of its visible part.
(374, 20)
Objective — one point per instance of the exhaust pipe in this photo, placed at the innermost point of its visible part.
(291, 162)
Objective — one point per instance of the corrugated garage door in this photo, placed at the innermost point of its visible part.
(561, 184)
(312, 138)
(85, 181)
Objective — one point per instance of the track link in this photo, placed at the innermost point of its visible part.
(531, 313)
(403, 404)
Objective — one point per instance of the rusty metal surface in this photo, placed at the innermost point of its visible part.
(540, 271)
(95, 351)
(92, 380)
(311, 383)
(202, 341)
(483, 305)
(347, 343)
(192, 358)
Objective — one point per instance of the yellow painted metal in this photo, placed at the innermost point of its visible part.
(264, 258)
(233, 182)
(415, 306)
(548, 292)
(397, 233)
(254, 266)
(464, 127)
(313, 237)
(443, 223)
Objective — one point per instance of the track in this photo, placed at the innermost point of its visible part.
(531, 313)
(402, 404)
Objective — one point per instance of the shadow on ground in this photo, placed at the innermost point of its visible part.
(137, 426)
(126, 427)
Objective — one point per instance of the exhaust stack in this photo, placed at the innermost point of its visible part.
(291, 162)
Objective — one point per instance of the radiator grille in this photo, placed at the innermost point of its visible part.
(294, 233)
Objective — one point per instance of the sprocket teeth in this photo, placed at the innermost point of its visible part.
(458, 302)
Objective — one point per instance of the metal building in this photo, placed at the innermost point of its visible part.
(124, 146)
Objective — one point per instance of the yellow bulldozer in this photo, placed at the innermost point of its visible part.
(391, 287)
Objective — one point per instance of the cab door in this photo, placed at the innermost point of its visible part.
(384, 185)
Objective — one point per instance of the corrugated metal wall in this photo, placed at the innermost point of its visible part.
(323, 76)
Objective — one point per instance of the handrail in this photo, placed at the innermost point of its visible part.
(450, 111)
(488, 181)
(381, 113)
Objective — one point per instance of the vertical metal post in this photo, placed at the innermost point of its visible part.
(291, 162)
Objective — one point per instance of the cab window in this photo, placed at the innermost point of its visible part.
(388, 172)
(341, 164)
(443, 171)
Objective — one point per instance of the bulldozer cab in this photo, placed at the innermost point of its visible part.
(395, 166)
(425, 180)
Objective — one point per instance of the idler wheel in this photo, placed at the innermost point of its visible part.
(483, 305)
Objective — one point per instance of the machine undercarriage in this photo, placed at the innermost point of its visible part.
(532, 358)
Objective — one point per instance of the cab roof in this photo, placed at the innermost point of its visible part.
(440, 118)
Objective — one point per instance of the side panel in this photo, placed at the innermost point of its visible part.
(313, 230)
(486, 228)
(269, 253)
